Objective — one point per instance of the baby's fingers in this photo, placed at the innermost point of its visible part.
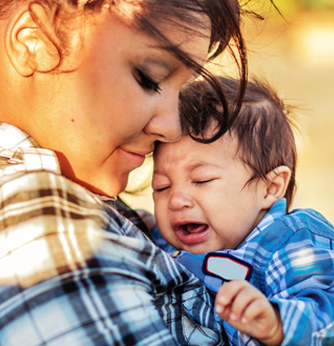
(227, 294)
(262, 322)
(256, 308)
(243, 300)
(247, 309)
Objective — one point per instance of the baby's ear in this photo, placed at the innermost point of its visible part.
(277, 183)
(31, 43)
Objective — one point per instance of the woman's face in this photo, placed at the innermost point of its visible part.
(121, 99)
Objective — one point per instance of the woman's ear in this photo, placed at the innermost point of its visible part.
(277, 183)
(31, 43)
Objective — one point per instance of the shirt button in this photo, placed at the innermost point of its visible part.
(176, 253)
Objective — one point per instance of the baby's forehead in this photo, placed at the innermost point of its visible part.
(225, 142)
(184, 146)
(189, 151)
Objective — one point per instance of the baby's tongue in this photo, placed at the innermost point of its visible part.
(195, 227)
(193, 233)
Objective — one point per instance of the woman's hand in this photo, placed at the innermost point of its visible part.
(247, 309)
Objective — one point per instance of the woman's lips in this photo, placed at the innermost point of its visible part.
(133, 159)
(192, 233)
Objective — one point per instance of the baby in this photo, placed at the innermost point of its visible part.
(226, 205)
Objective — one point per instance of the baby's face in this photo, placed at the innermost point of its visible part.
(202, 202)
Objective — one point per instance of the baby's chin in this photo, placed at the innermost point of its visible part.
(199, 249)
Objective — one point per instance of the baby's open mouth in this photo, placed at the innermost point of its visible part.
(191, 228)
(192, 233)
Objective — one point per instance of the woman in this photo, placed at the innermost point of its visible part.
(86, 89)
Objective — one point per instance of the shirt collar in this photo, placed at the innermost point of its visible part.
(19, 152)
(11, 138)
(277, 211)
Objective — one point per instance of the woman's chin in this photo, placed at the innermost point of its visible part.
(108, 188)
(103, 180)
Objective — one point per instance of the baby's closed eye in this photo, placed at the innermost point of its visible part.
(203, 182)
(158, 190)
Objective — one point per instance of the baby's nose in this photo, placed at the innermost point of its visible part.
(179, 200)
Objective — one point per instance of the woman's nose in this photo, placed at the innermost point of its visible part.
(165, 124)
(179, 200)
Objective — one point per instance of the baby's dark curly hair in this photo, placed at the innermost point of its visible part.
(263, 127)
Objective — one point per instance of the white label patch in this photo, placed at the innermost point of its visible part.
(226, 267)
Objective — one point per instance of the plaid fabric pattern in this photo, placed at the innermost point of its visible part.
(292, 256)
(131, 215)
(73, 271)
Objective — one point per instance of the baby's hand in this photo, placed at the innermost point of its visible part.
(245, 308)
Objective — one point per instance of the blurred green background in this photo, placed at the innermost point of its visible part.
(296, 55)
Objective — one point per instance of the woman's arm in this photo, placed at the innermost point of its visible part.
(74, 272)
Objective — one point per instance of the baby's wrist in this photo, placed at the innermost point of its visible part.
(276, 336)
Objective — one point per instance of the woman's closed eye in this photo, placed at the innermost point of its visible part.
(146, 82)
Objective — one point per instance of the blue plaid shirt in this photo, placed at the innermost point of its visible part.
(74, 272)
(292, 259)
